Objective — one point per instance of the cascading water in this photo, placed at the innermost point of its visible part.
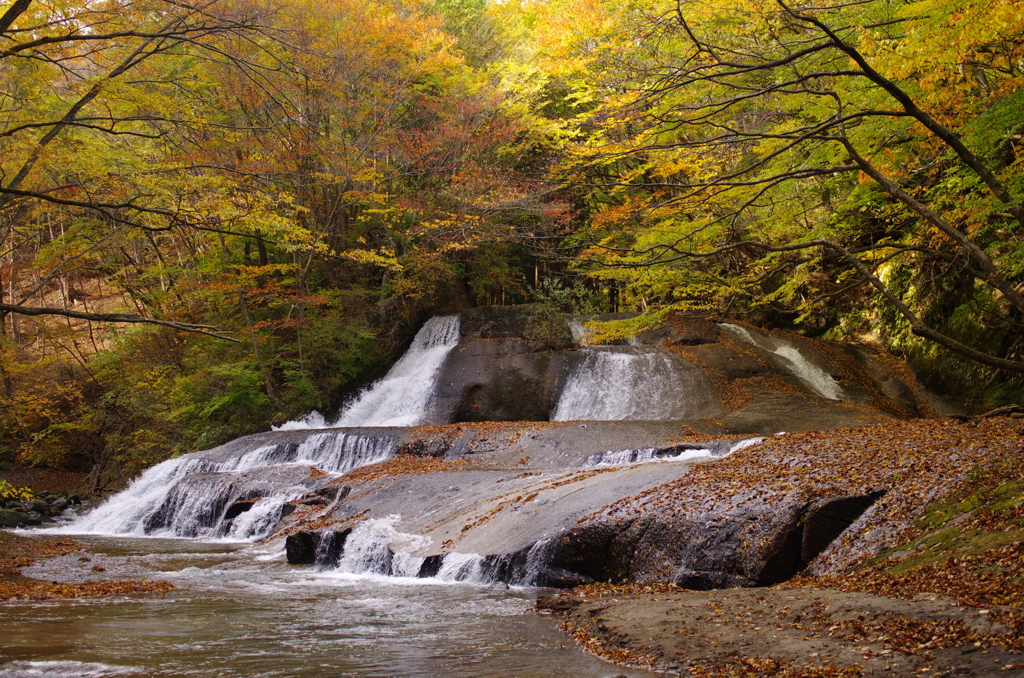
(817, 379)
(686, 452)
(375, 547)
(221, 494)
(633, 383)
(402, 396)
(643, 455)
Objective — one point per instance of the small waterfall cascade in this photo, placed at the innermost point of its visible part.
(817, 379)
(682, 452)
(224, 495)
(402, 396)
(375, 547)
(579, 332)
(640, 383)
(644, 455)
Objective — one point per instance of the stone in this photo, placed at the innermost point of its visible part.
(329, 546)
(315, 548)
(334, 492)
(12, 518)
(238, 508)
(825, 520)
(300, 549)
(430, 567)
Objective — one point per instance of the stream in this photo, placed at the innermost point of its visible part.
(240, 611)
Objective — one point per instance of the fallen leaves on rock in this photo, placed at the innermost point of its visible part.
(950, 524)
(914, 463)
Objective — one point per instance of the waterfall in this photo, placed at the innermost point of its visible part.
(222, 494)
(644, 455)
(402, 396)
(634, 383)
(679, 452)
(816, 378)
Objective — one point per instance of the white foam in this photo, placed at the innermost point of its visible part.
(742, 444)
(376, 547)
(312, 420)
(64, 669)
(644, 456)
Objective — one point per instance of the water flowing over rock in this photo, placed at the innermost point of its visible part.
(402, 396)
(638, 383)
(792, 360)
(534, 502)
(200, 494)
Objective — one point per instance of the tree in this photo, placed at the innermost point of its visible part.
(91, 94)
(756, 153)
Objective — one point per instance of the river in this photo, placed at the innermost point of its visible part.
(239, 610)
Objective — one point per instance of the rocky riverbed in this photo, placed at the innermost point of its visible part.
(35, 510)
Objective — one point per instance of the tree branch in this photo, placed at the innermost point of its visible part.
(130, 318)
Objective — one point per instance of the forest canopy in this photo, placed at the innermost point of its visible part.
(216, 215)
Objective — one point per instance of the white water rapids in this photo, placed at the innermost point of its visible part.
(190, 496)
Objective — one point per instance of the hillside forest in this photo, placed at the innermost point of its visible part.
(217, 215)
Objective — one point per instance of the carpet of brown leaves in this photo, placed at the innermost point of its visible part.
(17, 551)
(914, 462)
(33, 590)
(951, 524)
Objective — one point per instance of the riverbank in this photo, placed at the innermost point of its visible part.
(934, 585)
(795, 633)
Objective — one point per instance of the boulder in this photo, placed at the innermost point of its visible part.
(14, 518)
(747, 544)
(300, 548)
(315, 548)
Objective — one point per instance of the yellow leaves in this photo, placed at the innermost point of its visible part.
(8, 491)
(383, 257)
(597, 332)
(956, 52)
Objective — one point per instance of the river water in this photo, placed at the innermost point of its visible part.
(240, 611)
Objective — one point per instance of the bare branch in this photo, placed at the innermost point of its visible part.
(129, 318)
